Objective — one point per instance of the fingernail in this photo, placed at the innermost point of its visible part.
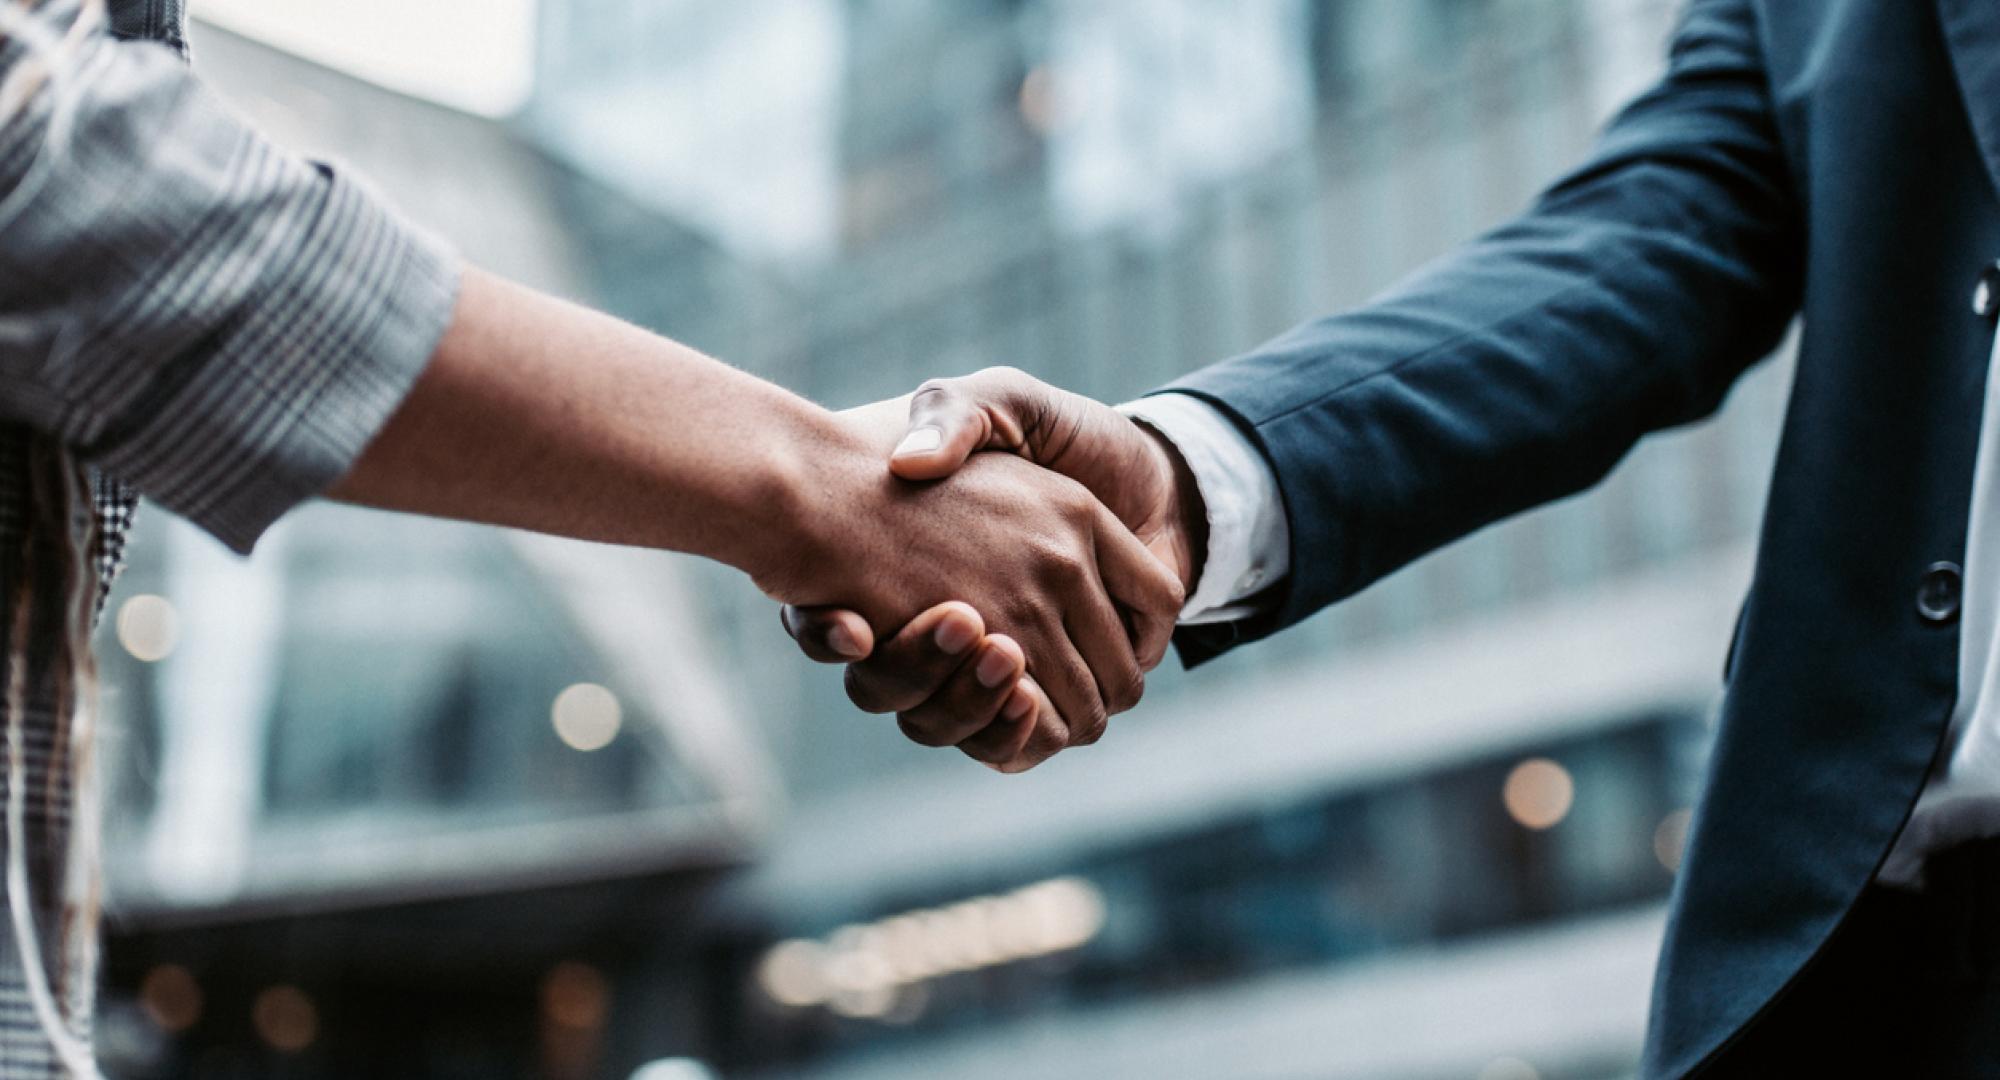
(841, 640)
(954, 637)
(921, 440)
(1017, 706)
(994, 668)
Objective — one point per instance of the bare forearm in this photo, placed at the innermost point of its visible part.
(539, 414)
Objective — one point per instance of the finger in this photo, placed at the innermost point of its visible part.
(971, 698)
(1062, 672)
(917, 661)
(1003, 740)
(950, 419)
(1045, 737)
(1149, 592)
(1101, 638)
(829, 635)
(946, 426)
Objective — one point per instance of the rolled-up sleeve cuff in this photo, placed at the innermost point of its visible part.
(281, 396)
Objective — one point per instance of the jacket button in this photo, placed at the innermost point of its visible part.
(1986, 293)
(1938, 593)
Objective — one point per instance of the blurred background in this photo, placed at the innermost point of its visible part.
(406, 799)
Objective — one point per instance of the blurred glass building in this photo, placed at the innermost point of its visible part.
(409, 799)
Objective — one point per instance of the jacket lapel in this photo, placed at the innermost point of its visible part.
(1972, 34)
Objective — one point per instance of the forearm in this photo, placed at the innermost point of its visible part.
(1521, 368)
(539, 414)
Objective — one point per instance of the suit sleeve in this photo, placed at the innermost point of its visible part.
(1520, 369)
(216, 321)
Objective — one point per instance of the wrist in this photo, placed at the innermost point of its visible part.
(825, 472)
(1183, 538)
(789, 514)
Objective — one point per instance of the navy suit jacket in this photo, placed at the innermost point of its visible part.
(1830, 158)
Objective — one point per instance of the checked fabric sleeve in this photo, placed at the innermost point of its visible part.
(216, 322)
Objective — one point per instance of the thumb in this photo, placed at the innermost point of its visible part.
(951, 419)
(829, 635)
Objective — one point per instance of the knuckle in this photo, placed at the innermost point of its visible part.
(1052, 736)
(1060, 562)
(1047, 741)
(1074, 501)
(1003, 374)
(933, 392)
(1125, 691)
(1091, 728)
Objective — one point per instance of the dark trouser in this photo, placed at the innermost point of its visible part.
(1908, 987)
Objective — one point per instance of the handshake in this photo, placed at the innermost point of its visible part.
(1006, 582)
(998, 562)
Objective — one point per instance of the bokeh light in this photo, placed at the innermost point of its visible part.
(148, 627)
(1068, 913)
(1040, 105)
(790, 974)
(586, 716)
(285, 1018)
(1670, 839)
(878, 971)
(1538, 793)
(171, 998)
(576, 996)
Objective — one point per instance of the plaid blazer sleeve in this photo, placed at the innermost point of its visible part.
(218, 322)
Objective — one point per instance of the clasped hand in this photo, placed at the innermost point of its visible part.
(1053, 568)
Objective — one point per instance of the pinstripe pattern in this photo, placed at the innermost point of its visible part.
(217, 323)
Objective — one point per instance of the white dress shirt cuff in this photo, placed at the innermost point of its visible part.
(1249, 538)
